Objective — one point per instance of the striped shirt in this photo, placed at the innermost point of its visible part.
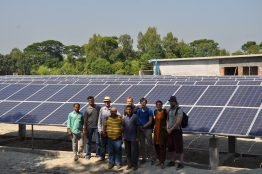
(113, 127)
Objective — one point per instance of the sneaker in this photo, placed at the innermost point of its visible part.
(110, 166)
(88, 157)
(180, 166)
(171, 163)
(118, 167)
(75, 158)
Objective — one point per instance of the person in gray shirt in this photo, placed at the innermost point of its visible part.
(90, 126)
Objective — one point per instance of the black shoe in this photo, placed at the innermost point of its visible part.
(135, 168)
(171, 163)
(180, 166)
(75, 158)
(88, 157)
(152, 162)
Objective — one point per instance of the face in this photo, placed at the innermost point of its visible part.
(172, 104)
(128, 111)
(159, 105)
(143, 104)
(113, 112)
(76, 107)
(107, 103)
(91, 101)
(129, 101)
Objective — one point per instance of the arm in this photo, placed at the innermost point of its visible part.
(99, 124)
(85, 122)
(150, 120)
(69, 132)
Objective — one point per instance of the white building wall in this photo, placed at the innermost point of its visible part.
(190, 68)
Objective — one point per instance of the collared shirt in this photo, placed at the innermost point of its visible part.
(103, 114)
(75, 122)
(130, 124)
(113, 127)
(172, 117)
(91, 115)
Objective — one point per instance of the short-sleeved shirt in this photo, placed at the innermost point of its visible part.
(144, 116)
(172, 117)
(130, 124)
(114, 127)
(92, 114)
(75, 122)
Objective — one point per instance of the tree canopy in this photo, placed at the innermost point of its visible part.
(110, 54)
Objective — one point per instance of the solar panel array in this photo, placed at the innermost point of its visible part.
(215, 105)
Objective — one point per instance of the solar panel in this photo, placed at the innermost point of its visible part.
(39, 113)
(161, 92)
(257, 128)
(136, 91)
(6, 106)
(249, 96)
(90, 90)
(113, 91)
(211, 102)
(201, 119)
(205, 83)
(224, 82)
(2, 86)
(66, 93)
(188, 95)
(249, 83)
(26, 92)
(10, 90)
(234, 121)
(60, 115)
(18, 112)
(45, 93)
(216, 95)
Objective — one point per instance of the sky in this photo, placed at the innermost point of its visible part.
(231, 23)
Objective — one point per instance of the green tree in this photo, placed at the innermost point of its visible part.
(204, 48)
(101, 47)
(251, 47)
(170, 46)
(150, 43)
(48, 53)
(100, 66)
(126, 43)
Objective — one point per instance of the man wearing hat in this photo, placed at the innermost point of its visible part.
(175, 134)
(103, 114)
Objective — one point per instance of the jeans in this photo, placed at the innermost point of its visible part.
(115, 151)
(77, 140)
(146, 146)
(90, 132)
(131, 148)
(103, 142)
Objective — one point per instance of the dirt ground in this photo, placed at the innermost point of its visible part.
(52, 154)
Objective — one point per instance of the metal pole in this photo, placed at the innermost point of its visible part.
(32, 126)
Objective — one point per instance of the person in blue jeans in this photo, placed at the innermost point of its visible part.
(91, 118)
